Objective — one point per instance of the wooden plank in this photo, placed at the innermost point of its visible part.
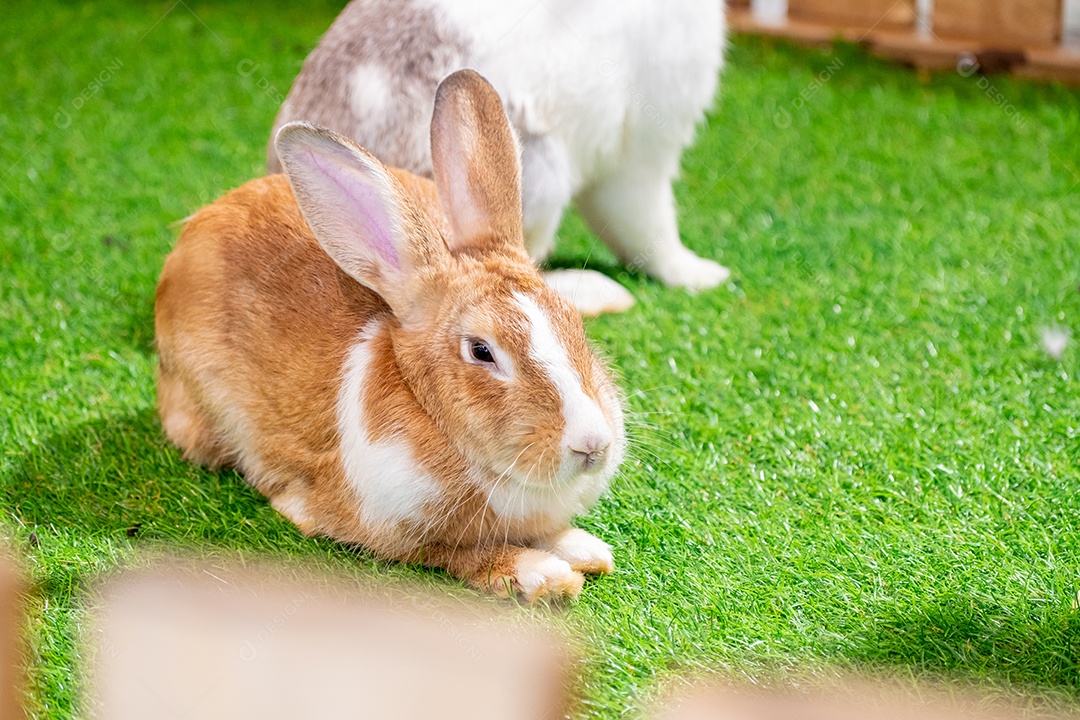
(964, 55)
(863, 14)
(1052, 64)
(919, 52)
(1009, 23)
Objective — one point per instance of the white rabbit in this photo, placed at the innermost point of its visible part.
(377, 354)
(604, 97)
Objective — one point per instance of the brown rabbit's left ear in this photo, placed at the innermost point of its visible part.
(356, 210)
(475, 160)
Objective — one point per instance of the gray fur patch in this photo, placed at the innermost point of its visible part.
(409, 47)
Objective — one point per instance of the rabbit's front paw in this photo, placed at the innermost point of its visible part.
(538, 573)
(584, 552)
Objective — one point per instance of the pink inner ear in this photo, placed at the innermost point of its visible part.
(360, 199)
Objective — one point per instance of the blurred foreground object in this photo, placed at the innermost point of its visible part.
(855, 699)
(208, 642)
(11, 639)
(221, 643)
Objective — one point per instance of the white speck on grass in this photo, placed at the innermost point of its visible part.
(813, 406)
(1054, 341)
(674, 367)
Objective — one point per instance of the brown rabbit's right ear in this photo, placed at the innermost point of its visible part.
(476, 166)
(356, 210)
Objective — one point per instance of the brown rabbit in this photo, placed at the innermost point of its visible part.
(377, 355)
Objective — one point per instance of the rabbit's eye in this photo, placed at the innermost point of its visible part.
(487, 355)
(481, 352)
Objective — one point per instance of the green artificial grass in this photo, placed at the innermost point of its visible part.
(854, 454)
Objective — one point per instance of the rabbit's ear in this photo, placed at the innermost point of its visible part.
(475, 160)
(355, 209)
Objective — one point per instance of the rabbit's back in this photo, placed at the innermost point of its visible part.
(373, 77)
(602, 78)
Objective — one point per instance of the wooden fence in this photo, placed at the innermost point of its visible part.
(1031, 38)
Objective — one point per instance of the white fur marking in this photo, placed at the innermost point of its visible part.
(389, 482)
(369, 90)
(516, 500)
(584, 418)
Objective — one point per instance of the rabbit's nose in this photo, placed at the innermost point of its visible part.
(591, 451)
